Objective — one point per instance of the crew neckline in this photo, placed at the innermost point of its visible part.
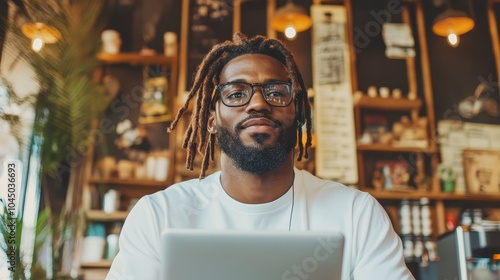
(261, 208)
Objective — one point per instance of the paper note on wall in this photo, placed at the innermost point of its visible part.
(398, 40)
(333, 109)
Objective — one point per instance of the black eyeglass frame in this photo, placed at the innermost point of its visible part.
(219, 87)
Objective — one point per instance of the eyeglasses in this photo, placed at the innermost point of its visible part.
(236, 94)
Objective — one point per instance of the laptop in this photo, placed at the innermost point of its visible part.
(195, 254)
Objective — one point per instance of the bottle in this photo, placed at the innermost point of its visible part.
(477, 216)
(431, 248)
(111, 201)
(425, 214)
(408, 248)
(418, 248)
(112, 241)
(405, 217)
(415, 217)
(150, 166)
(466, 218)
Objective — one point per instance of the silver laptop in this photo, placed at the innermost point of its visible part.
(195, 254)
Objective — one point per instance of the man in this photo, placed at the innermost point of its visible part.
(250, 97)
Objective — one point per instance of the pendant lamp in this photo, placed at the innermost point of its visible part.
(40, 34)
(290, 19)
(451, 24)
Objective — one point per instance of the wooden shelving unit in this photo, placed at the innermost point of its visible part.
(394, 149)
(393, 104)
(419, 81)
(131, 64)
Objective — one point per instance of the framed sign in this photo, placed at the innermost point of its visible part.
(481, 170)
(204, 24)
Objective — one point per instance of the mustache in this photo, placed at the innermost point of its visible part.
(258, 115)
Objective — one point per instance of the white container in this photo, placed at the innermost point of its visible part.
(150, 167)
(111, 201)
(112, 246)
(372, 91)
(140, 172)
(93, 248)
(384, 92)
(125, 169)
(170, 43)
(111, 41)
(161, 172)
(106, 167)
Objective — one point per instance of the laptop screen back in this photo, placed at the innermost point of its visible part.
(249, 255)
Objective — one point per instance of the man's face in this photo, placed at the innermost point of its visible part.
(258, 137)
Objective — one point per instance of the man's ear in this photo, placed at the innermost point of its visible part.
(212, 123)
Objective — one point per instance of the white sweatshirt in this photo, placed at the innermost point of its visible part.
(372, 249)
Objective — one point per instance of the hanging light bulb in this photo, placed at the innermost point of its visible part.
(451, 24)
(37, 43)
(453, 39)
(291, 19)
(290, 32)
(40, 34)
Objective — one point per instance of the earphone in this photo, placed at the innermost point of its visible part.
(293, 204)
(293, 192)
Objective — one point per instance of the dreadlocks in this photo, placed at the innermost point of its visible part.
(197, 138)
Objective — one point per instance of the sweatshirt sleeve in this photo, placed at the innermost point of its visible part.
(139, 256)
(378, 248)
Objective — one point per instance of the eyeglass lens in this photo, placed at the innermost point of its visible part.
(239, 94)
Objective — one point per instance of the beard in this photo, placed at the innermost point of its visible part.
(259, 159)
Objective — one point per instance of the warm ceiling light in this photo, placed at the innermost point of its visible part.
(290, 18)
(290, 32)
(40, 34)
(451, 23)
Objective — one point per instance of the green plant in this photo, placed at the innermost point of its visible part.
(50, 230)
(10, 229)
(68, 100)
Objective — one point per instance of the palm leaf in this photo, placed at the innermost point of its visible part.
(68, 99)
(10, 229)
(67, 102)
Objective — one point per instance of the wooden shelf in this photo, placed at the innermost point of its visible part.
(398, 195)
(99, 215)
(392, 104)
(388, 148)
(135, 58)
(129, 64)
(99, 264)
